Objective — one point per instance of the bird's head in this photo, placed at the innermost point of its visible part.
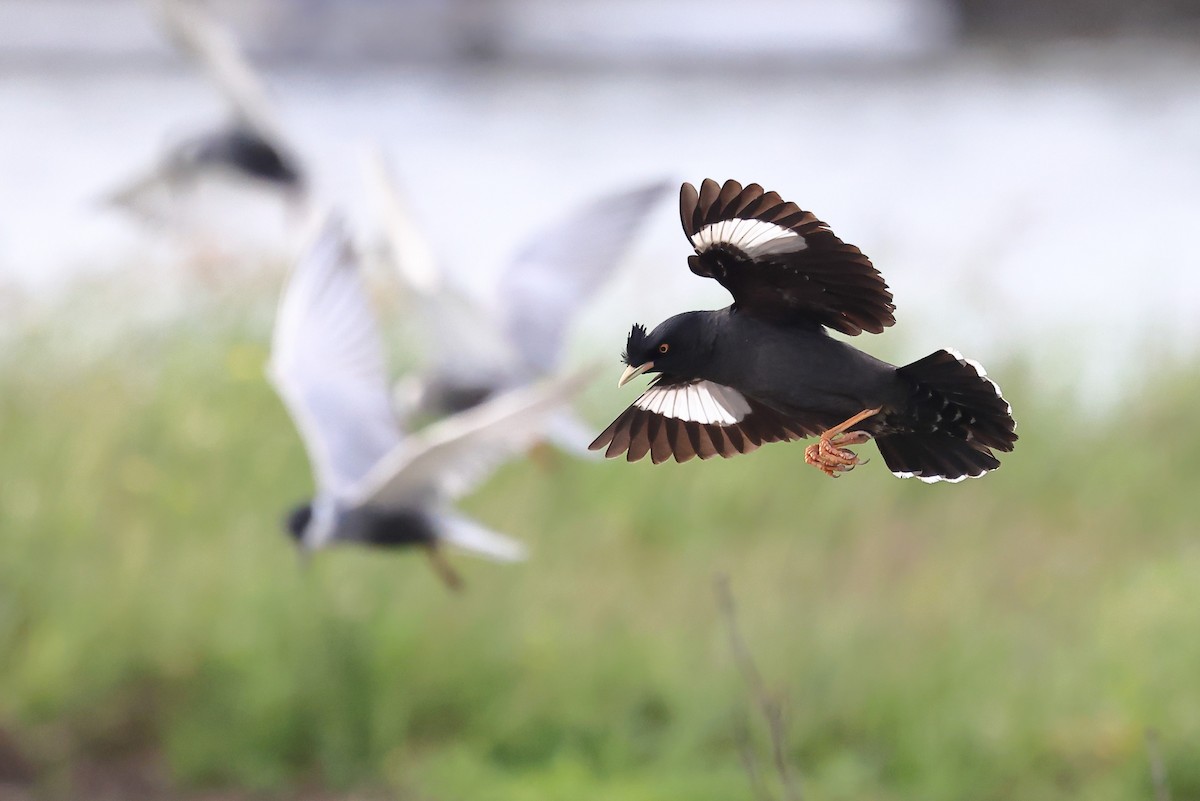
(297, 521)
(678, 346)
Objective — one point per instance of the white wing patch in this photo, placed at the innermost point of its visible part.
(755, 238)
(698, 402)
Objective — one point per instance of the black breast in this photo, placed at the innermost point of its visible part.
(455, 399)
(796, 369)
(392, 529)
(246, 151)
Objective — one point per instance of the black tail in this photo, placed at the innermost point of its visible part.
(955, 416)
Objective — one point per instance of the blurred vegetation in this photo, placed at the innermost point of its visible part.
(1012, 637)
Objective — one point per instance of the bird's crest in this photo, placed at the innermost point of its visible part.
(637, 335)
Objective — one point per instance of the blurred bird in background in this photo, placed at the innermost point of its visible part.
(766, 370)
(476, 349)
(374, 485)
(245, 154)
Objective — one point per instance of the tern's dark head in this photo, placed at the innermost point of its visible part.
(297, 521)
(680, 346)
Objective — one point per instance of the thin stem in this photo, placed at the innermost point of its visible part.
(1158, 768)
(771, 710)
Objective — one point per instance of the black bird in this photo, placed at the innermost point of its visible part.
(765, 369)
(375, 486)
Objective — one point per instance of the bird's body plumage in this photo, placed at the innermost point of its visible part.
(240, 150)
(765, 369)
(384, 528)
(801, 371)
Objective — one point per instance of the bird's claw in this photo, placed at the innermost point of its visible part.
(831, 457)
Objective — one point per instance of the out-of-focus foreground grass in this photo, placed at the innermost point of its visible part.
(1006, 638)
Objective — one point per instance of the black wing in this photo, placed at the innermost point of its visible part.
(682, 419)
(779, 262)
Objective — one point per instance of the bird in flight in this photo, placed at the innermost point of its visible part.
(765, 369)
(234, 149)
(250, 147)
(374, 485)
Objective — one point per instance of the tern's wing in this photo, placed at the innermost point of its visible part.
(463, 345)
(447, 459)
(562, 266)
(205, 40)
(327, 364)
(570, 434)
(409, 250)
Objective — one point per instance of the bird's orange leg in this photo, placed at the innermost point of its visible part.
(442, 567)
(829, 454)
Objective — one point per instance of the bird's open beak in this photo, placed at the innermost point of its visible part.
(632, 373)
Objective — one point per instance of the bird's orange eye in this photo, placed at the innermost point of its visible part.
(663, 348)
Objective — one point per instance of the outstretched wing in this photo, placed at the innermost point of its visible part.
(779, 262)
(562, 266)
(409, 249)
(447, 459)
(328, 366)
(682, 419)
(464, 346)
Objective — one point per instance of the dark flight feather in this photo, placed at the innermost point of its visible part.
(823, 281)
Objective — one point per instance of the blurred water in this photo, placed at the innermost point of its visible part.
(1007, 198)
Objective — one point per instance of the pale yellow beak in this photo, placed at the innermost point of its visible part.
(632, 373)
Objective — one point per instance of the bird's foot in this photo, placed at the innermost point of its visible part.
(831, 457)
(829, 454)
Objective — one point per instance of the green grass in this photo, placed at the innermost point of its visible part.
(1006, 638)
